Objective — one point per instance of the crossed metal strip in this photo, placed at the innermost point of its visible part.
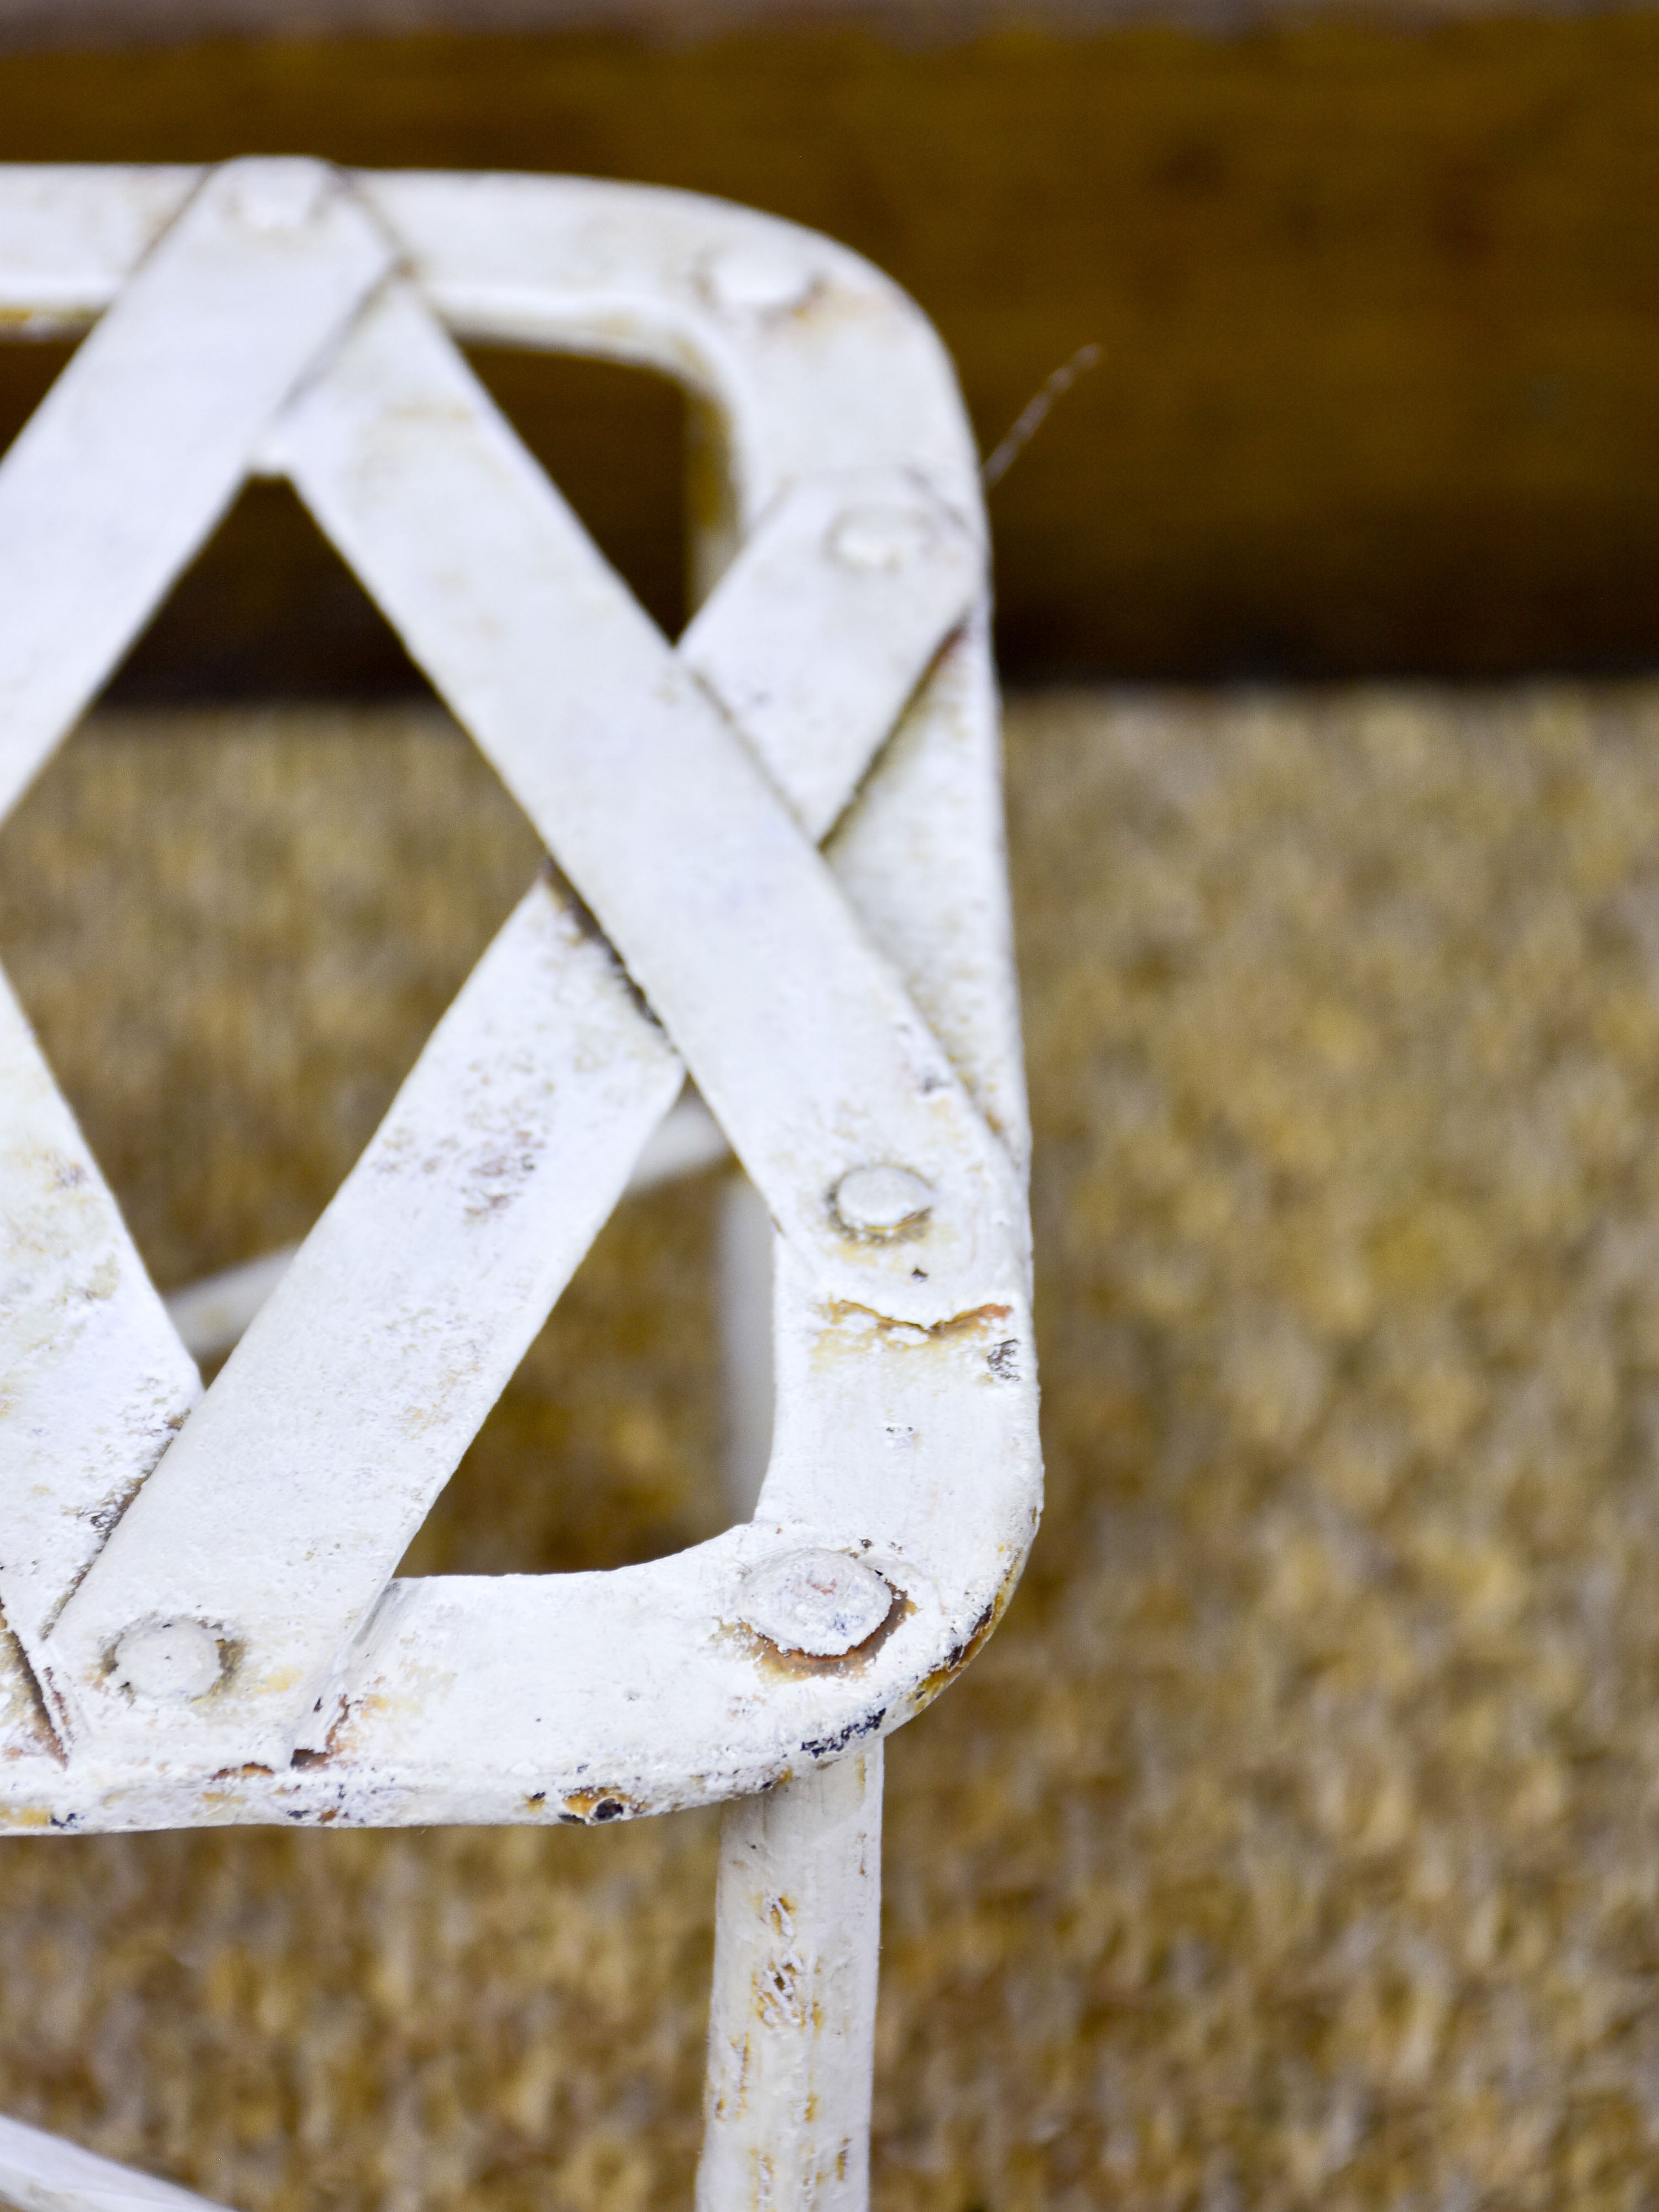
(111, 487)
(546, 1001)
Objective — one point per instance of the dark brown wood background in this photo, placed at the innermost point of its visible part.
(1377, 311)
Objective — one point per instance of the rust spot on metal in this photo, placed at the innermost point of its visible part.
(791, 1665)
(975, 1323)
(593, 1806)
(961, 1654)
(28, 1700)
(333, 1742)
(1003, 1360)
(943, 1675)
(978, 1320)
(777, 1993)
(913, 1231)
(832, 1746)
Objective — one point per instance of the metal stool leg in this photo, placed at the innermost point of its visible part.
(792, 2019)
(746, 1236)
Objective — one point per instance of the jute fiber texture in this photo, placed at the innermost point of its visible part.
(1293, 1844)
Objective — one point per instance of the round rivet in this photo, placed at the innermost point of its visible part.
(170, 1659)
(869, 1200)
(878, 540)
(278, 195)
(821, 1603)
(757, 280)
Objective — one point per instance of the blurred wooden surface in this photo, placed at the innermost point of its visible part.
(1377, 310)
(1294, 1841)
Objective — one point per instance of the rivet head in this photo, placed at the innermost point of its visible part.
(173, 1660)
(823, 1604)
(878, 538)
(278, 195)
(873, 1202)
(757, 280)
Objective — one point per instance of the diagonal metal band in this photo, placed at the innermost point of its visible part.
(143, 442)
(802, 1041)
(109, 489)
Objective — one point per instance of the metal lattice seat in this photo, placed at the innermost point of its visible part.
(203, 1622)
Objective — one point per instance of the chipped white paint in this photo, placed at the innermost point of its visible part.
(798, 1917)
(204, 1598)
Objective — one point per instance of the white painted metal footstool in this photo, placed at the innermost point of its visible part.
(777, 864)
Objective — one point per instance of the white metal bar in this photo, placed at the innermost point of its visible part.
(815, 362)
(93, 1381)
(71, 237)
(140, 444)
(543, 1698)
(745, 1263)
(923, 860)
(766, 2067)
(792, 2020)
(111, 486)
(851, 583)
(41, 2172)
(212, 1315)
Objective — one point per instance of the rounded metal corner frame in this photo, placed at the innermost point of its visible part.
(906, 1442)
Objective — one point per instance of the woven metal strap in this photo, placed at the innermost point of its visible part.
(240, 1622)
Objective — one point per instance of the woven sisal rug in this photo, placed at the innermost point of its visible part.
(1294, 1844)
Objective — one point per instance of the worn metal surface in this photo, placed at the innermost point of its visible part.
(284, 1504)
(214, 1313)
(798, 1916)
(204, 1622)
